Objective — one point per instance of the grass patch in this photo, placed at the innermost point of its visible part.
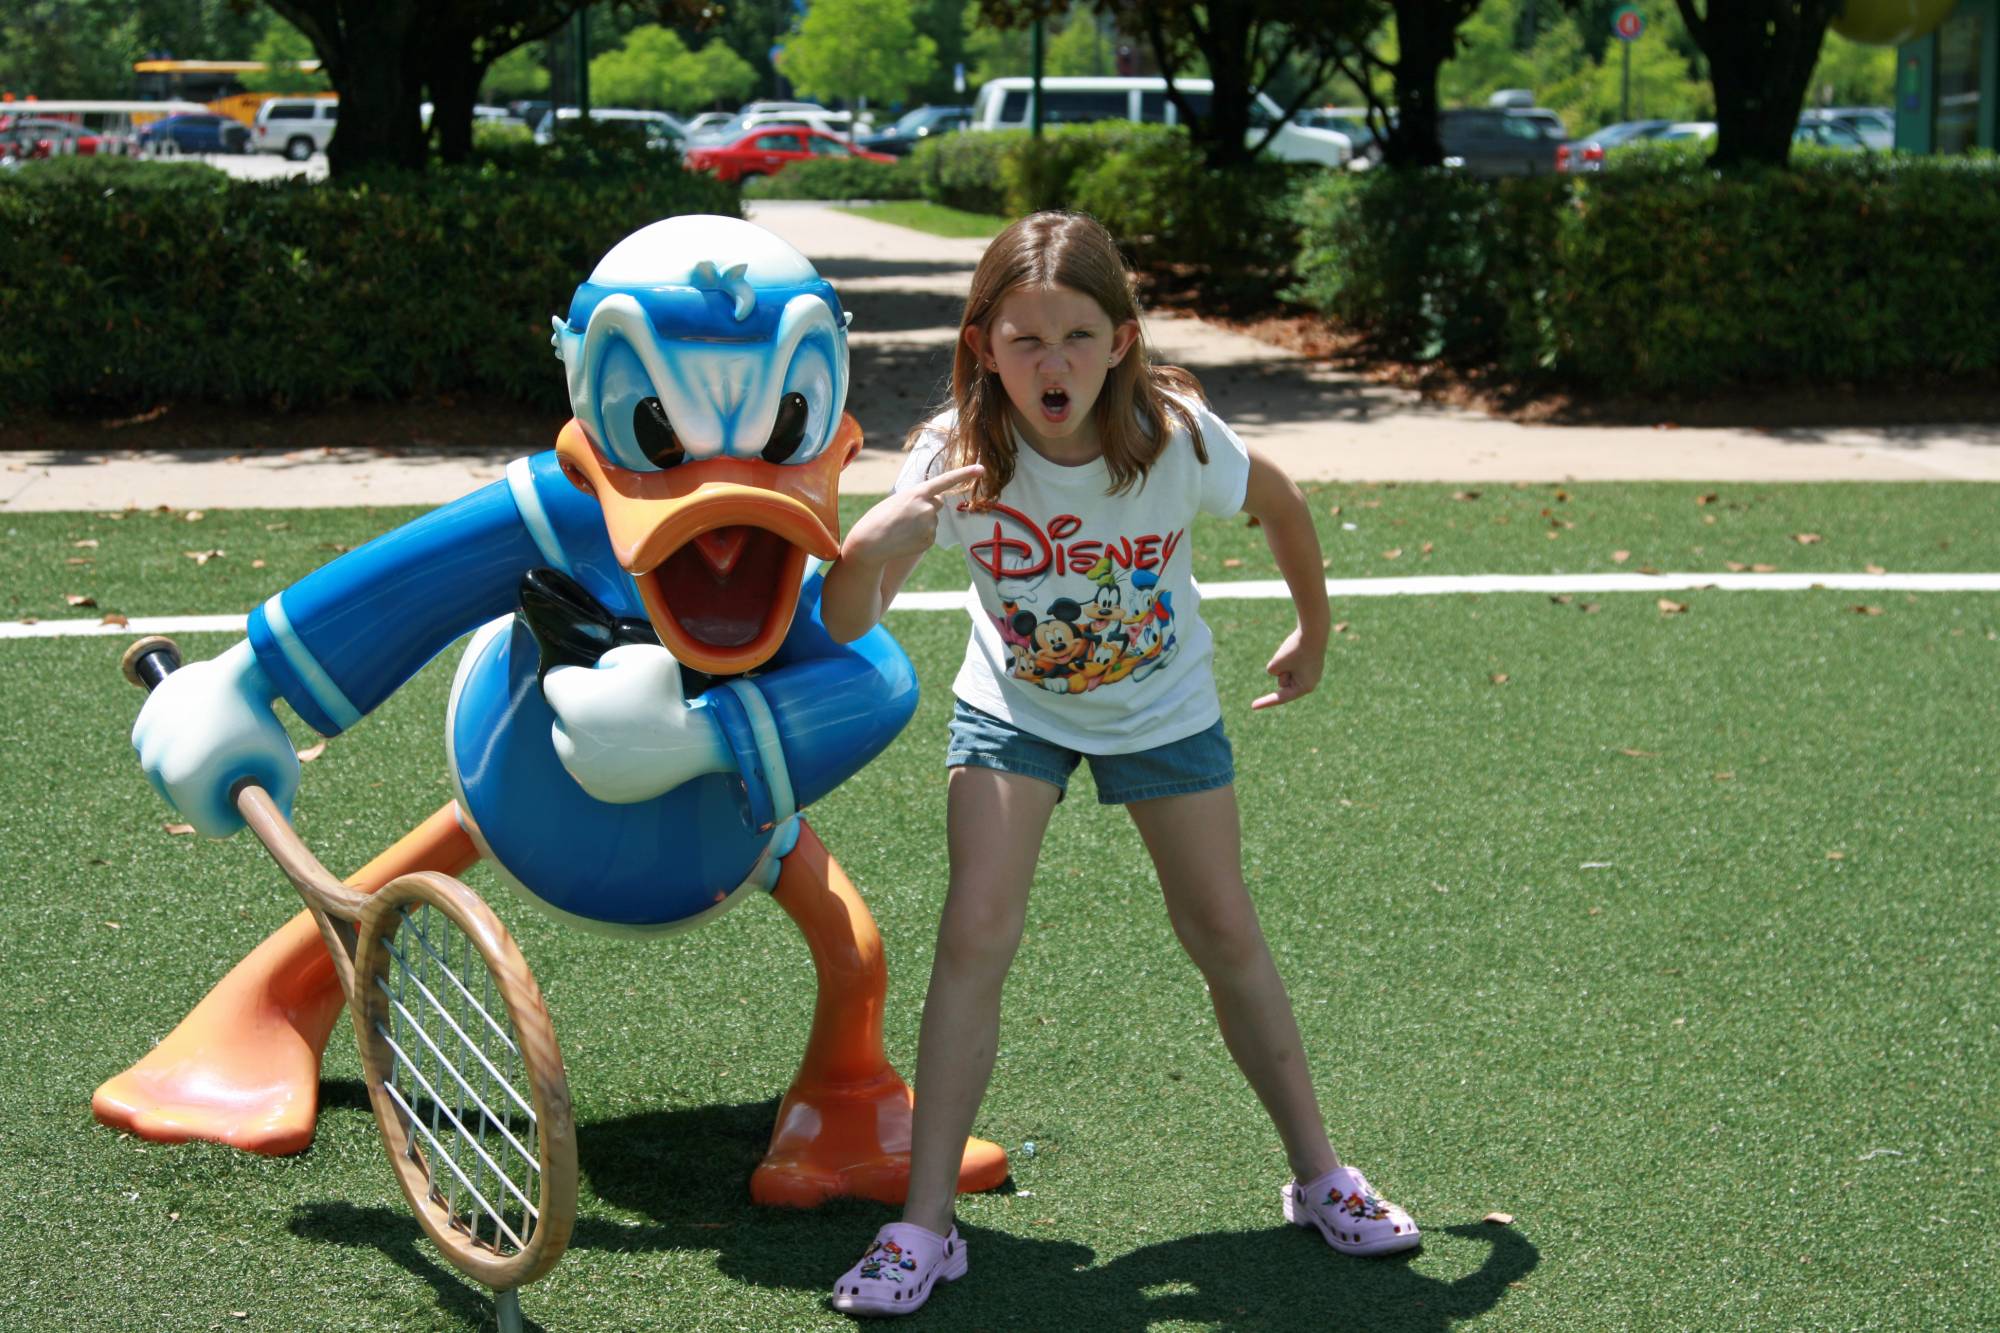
(938, 220)
(1611, 993)
(1677, 945)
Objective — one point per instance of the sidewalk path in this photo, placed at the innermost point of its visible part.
(906, 290)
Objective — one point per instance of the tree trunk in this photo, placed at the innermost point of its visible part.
(1425, 36)
(368, 49)
(453, 76)
(1761, 55)
(1228, 55)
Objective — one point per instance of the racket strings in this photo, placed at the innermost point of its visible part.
(460, 1082)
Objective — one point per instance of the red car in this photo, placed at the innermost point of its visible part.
(767, 151)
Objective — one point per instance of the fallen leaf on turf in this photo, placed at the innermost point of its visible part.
(1836, 856)
(1671, 608)
(1642, 754)
(1562, 599)
(1500, 1219)
(1595, 911)
(1708, 518)
(1427, 548)
(1708, 499)
(1562, 496)
(114, 925)
(1392, 553)
(1335, 511)
(1465, 495)
(1648, 569)
(1591, 608)
(1807, 538)
(178, 830)
(1341, 627)
(202, 557)
(1875, 569)
(1866, 610)
(79, 599)
(276, 527)
(1620, 557)
(1232, 563)
(194, 515)
(312, 752)
(1763, 569)
(87, 544)
(79, 560)
(114, 618)
(1735, 566)
(1498, 678)
(1725, 777)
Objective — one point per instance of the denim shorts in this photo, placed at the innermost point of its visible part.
(1191, 764)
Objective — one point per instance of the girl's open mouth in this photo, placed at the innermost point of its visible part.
(1055, 404)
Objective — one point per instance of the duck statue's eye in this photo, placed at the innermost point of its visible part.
(789, 431)
(655, 434)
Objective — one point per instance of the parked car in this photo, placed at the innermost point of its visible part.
(1007, 104)
(925, 122)
(1587, 153)
(660, 129)
(1684, 130)
(767, 151)
(840, 124)
(194, 133)
(298, 127)
(1501, 141)
(1874, 125)
(1351, 121)
(706, 121)
(1830, 134)
(31, 137)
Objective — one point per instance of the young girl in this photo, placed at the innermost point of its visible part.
(1068, 469)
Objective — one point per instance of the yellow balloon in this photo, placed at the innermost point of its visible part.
(1889, 22)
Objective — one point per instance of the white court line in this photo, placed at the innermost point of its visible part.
(1428, 586)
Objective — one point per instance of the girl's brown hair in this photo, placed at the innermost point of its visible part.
(1062, 250)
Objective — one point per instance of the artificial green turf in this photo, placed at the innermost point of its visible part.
(938, 220)
(1573, 946)
(142, 564)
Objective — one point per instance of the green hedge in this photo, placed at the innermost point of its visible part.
(838, 178)
(1658, 275)
(154, 282)
(1147, 183)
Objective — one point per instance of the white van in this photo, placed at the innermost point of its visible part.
(298, 127)
(1007, 104)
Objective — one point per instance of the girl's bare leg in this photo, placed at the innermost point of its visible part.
(995, 823)
(1196, 846)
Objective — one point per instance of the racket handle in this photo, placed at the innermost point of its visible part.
(151, 660)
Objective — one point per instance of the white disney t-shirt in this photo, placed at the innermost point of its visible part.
(1087, 631)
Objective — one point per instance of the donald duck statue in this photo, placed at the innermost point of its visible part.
(648, 702)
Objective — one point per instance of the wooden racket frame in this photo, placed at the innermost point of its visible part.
(353, 924)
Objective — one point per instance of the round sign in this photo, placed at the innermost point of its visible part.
(1628, 23)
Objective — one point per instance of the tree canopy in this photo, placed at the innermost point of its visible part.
(847, 50)
(655, 68)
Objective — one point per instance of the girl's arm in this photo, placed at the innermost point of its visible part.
(859, 589)
(881, 549)
(1277, 505)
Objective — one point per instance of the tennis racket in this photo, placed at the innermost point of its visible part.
(456, 1047)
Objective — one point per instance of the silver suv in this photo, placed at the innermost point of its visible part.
(298, 127)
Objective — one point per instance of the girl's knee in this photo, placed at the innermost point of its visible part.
(1220, 940)
(979, 932)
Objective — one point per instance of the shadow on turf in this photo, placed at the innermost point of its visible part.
(686, 1172)
(397, 1237)
(682, 1177)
